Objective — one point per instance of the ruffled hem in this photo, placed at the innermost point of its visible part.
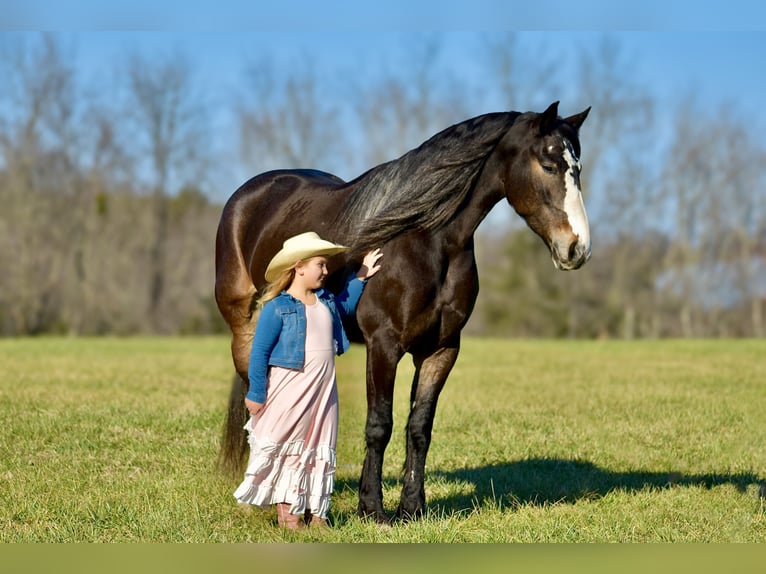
(306, 484)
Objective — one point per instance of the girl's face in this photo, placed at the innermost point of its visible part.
(312, 271)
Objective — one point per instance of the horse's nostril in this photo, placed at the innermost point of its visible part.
(573, 250)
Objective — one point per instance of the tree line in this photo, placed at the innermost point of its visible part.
(110, 196)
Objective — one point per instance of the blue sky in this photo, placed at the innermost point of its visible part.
(405, 15)
(713, 50)
(718, 66)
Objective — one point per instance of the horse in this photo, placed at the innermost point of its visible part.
(422, 210)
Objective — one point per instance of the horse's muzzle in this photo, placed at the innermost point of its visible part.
(572, 257)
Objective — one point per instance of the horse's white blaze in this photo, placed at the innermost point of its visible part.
(573, 204)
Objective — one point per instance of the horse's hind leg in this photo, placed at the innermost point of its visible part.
(382, 359)
(237, 308)
(431, 374)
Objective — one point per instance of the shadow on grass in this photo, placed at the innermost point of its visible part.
(546, 481)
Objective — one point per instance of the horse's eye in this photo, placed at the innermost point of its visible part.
(548, 167)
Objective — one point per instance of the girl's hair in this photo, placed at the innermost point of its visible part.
(276, 287)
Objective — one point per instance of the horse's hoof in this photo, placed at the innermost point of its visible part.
(409, 515)
(378, 516)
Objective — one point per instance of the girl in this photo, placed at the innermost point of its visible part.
(293, 399)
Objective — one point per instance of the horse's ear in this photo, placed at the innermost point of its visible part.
(547, 120)
(577, 120)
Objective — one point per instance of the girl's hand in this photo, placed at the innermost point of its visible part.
(370, 265)
(253, 407)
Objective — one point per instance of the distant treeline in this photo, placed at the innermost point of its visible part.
(108, 213)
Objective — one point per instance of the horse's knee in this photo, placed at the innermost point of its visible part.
(378, 431)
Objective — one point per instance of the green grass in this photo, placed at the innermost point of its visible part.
(114, 440)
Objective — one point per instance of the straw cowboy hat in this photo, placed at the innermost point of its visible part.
(299, 248)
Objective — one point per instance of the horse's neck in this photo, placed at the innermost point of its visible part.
(487, 192)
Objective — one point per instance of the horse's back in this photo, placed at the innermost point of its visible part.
(269, 200)
(283, 182)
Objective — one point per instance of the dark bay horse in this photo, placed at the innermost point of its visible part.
(422, 210)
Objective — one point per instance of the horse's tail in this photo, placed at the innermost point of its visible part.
(231, 454)
(236, 297)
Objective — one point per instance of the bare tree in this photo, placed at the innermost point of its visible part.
(520, 80)
(737, 214)
(287, 122)
(80, 237)
(406, 106)
(39, 144)
(714, 178)
(169, 123)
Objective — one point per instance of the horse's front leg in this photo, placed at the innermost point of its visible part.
(382, 359)
(431, 374)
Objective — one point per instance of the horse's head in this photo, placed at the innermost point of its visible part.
(542, 182)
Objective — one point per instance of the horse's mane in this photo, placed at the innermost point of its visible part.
(425, 187)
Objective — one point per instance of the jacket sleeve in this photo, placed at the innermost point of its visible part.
(348, 299)
(266, 336)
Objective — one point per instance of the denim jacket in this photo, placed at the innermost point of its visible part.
(280, 335)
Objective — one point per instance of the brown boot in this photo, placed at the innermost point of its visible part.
(287, 520)
(316, 522)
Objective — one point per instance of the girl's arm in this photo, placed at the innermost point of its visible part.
(266, 336)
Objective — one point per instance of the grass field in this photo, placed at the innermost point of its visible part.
(114, 440)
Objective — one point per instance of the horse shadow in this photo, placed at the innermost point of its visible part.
(547, 481)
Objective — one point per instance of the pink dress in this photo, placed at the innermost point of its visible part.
(292, 440)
